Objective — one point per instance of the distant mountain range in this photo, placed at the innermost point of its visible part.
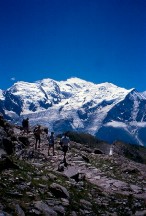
(104, 110)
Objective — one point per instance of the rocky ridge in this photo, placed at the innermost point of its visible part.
(93, 183)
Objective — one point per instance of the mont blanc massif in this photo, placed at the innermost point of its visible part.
(105, 110)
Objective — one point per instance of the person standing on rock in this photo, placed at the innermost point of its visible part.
(65, 144)
(37, 134)
(51, 143)
(25, 125)
(111, 150)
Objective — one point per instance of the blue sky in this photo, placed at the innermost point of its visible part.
(99, 41)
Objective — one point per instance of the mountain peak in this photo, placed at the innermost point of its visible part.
(1, 95)
(44, 81)
(76, 80)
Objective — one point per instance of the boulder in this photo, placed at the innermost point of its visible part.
(98, 151)
(59, 191)
(87, 149)
(8, 145)
(6, 163)
(24, 140)
(85, 158)
(43, 207)
(19, 210)
(131, 170)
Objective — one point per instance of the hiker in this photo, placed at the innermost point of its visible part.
(37, 133)
(111, 150)
(51, 143)
(25, 125)
(65, 144)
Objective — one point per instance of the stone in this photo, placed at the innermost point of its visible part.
(19, 210)
(85, 158)
(6, 163)
(15, 194)
(3, 213)
(43, 207)
(24, 140)
(73, 213)
(52, 177)
(35, 212)
(60, 167)
(38, 165)
(59, 209)
(42, 186)
(97, 177)
(140, 213)
(65, 202)
(59, 191)
(29, 194)
(86, 204)
(98, 151)
(1, 207)
(8, 145)
(135, 188)
(72, 171)
(131, 170)
(44, 178)
(87, 149)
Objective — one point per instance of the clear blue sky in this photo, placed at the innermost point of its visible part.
(96, 40)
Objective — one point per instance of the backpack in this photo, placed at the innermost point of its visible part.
(64, 141)
(35, 131)
(61, 143)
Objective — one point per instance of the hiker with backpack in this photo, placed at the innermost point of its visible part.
(25, 125)
(64, 142)
(51, 143)
(37, 134)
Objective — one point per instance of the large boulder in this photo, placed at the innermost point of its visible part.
(98, 151)
(59, 191)
(7, 163)
(24, 140)
(8, 145)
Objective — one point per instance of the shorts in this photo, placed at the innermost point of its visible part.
(64, 148)
(51, 145)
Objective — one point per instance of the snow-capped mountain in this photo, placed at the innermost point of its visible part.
(105, 110)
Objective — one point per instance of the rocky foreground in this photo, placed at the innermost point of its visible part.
(93, 183)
